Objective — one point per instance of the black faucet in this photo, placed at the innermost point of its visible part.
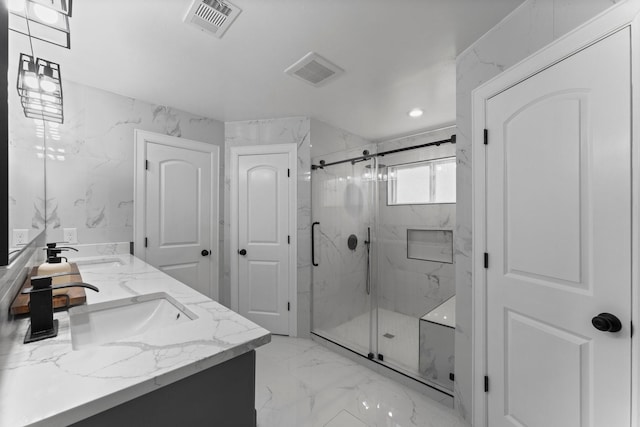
(53, 250)
(41, 305)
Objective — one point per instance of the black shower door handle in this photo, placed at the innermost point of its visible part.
(313, 244)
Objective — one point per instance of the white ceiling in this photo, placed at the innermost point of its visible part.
(398, 54)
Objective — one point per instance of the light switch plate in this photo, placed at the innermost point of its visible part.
(70, 235)
(20, 236)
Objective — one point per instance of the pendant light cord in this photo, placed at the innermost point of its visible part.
(26, 17)
(33, 57)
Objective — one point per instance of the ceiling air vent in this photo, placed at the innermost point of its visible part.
(212, 16)
(314, 69)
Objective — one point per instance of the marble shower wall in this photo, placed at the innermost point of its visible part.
(410, 286)
(294, 130)
(530, 27)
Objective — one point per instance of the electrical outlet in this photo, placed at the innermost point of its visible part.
(70, 235)
(20, 236)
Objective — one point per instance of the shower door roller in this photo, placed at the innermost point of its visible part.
(242, 252)
(606, 322)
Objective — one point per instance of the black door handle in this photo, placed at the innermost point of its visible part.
(313, 241)
(242, 252)
(205, 252)
(606, 322)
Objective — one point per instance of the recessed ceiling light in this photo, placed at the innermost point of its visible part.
(415, 113)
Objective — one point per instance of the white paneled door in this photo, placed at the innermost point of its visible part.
(559, 243)
(181, 210)
(264, 239)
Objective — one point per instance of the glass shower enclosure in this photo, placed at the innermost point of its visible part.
(383, 275)
(343, 199)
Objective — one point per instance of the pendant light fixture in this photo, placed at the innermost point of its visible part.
(39, 82)
(46, 20)
(40, 88)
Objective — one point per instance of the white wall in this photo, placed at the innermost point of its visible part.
(535, 24)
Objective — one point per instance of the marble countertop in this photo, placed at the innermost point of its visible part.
(49, 383)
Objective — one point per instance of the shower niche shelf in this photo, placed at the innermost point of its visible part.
(430, 245)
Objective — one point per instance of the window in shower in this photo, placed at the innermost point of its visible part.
(431, 181)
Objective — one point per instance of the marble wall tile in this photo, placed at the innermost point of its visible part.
(409, 286)
(422, 138)
(292, 130)
(436, 354)
(90, 161)
(527, 29)
(328, 139)
(91, 184)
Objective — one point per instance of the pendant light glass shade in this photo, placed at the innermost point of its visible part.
(40, 88)
(46, 20)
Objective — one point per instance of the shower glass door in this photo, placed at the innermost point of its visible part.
(343, 198)
(416, 219)
(384, 281)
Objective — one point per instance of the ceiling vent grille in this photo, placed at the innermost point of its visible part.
(314, 70)
(212, 16)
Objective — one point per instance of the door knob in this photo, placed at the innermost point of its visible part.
(606, 322)
(205, 252)
(242, 252)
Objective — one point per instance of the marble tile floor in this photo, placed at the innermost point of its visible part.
(299, 383)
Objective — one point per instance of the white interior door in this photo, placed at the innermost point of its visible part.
(180, 215)
(264, 239)
(559, 243)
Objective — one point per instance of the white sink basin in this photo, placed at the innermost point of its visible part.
(111, 321)
(111, 261)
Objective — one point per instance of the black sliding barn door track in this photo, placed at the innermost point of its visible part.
(367, 156)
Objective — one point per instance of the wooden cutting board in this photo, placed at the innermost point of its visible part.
(74, 296)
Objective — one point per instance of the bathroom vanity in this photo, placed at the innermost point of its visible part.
(145, 350)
